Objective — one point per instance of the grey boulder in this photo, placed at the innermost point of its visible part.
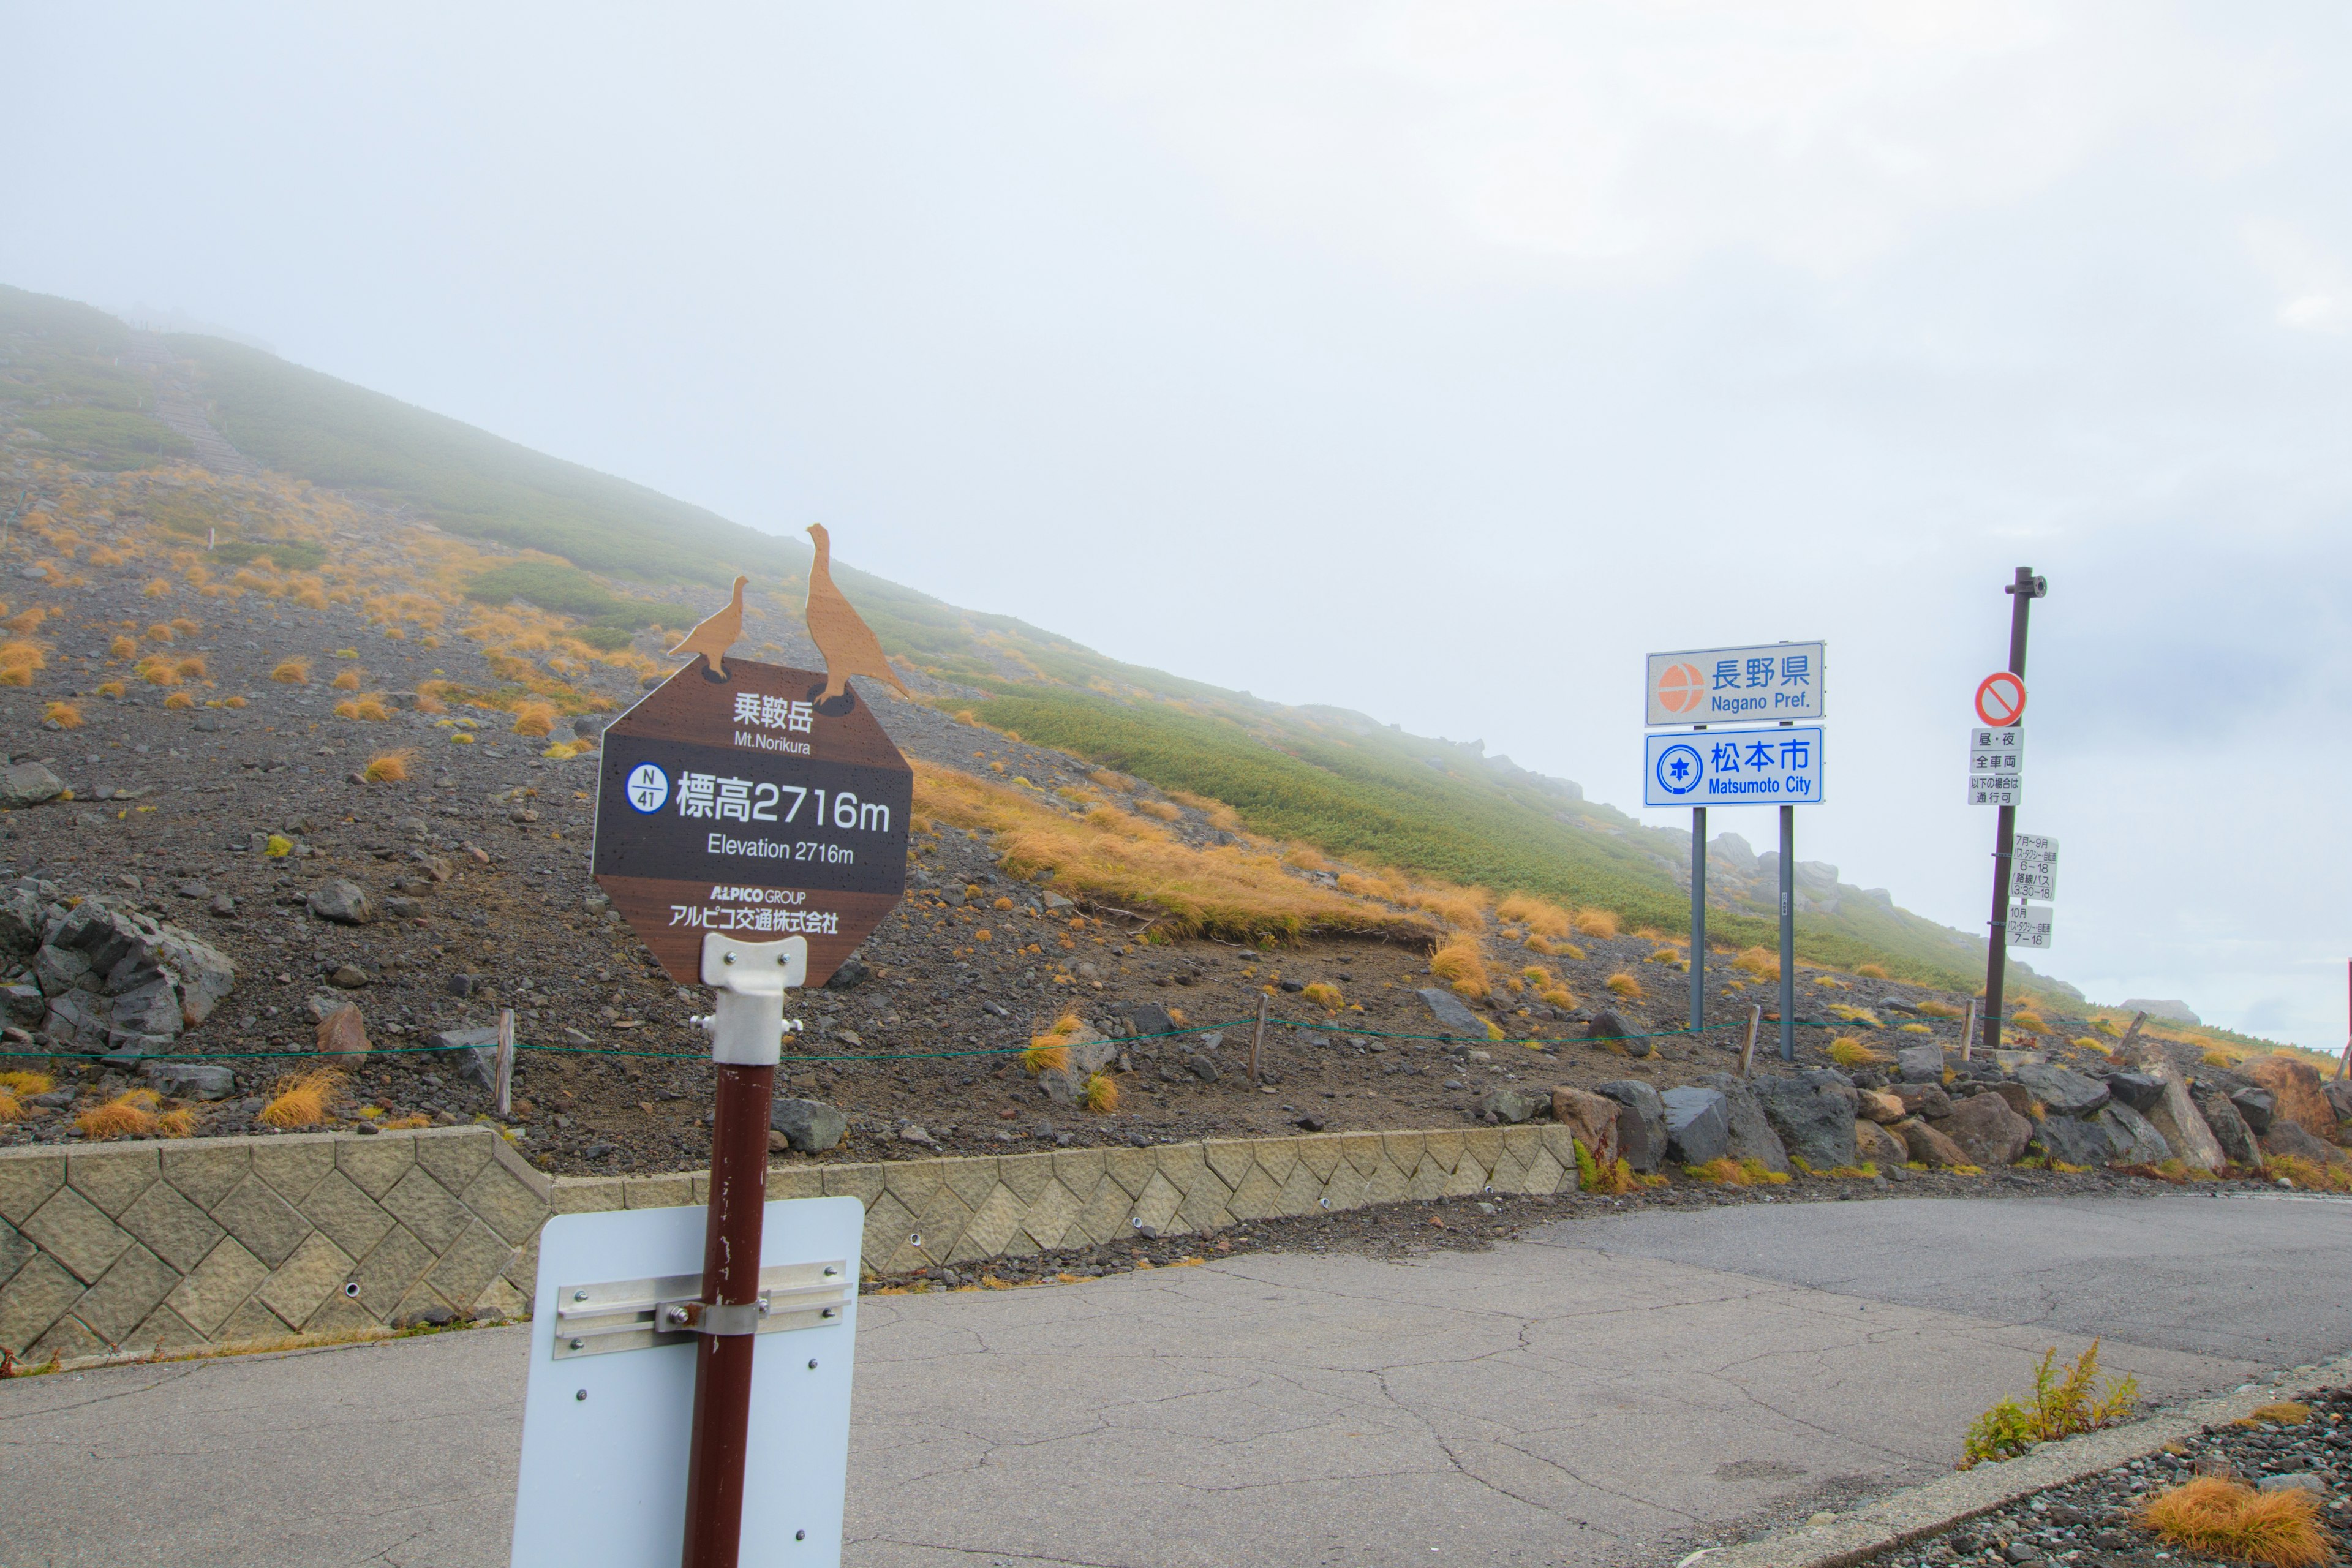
(2137, 1089)
(1987, 1130)
(2229, 1127)
(190, 1080)
(2061, 1089)
(1921, 1064)
(1751, 1136)
(1447, 1012)
(28, 783)
(79, 1021)
(1640, 1122)
(473, 1052)
(1816, 1123)
(2077, 1143)
(2294, 1141)
(2136, 1140)
(1698, 1124)
(343, 903)
(2255, 1109)
(810, 1126)
(21, 921)
(1512, 1105)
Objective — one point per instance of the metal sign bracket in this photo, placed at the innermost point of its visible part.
(643, 1314)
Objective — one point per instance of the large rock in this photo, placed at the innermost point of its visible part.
(2062, 1089)
(1504, 1103)
(190, 1080)
(343, 903)
(1990, 1132)
(2077, 1143)
(2339, 1095)
(2013, 1095)
(2300, 1094)
(1606, 1025)
(79, 1021)
(1927, 1100)
(57, 969)
(1751, 1135)
(2177, 1116)
(2255, 1108)
(1698, 1124)
(1921, 1064)
(1148, 1019)
(1929, 1147)
(1590, 1118)
(1640, 1122)
(811, 1126)
(146, 1019)
(1090, 1051)
(21, 921)
(2289, 1139)
(28, 783)
(2133, 1136)
(1451, 1016)
(473, 1052)
(2137, 1089)
(2229, 1129)
(1814, 1121)
(1877, 1145)
(204, 975)
(345, 1034)
(1876, 1105)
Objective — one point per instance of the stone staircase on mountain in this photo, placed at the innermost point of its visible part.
(176, 408)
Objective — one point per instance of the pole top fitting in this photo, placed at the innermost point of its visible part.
(2029, 583)
(731, 963)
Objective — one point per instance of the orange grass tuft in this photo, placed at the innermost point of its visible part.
(130, 1114)
(1540, 915)
(192, 667)
(349, 681)
(534, 719)
(1100, 1093)
(1622, 983)
(64, 715)
(2216, 1517)
(303, 1099)
(179, 702)
(121, 648)
(292, 672)
(389, 767)
(1324, 995)
(1461, 964)
(1599, 923)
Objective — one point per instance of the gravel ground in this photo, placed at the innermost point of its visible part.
(2093, 1521)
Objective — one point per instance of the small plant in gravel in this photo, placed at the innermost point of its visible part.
(130, 1114)
(389, 767)
(1324, 995)
(1850, 1052)
(2213, 1517)
(292, 672)
(349, 681)
(1757, 963)
(1623, 983)
(1728, 1172)
(179, 702)
(1616, 1180)
(303, 1099)
(2062, 1407)
(1099, 1093)
(64, 715)
(1600, 923)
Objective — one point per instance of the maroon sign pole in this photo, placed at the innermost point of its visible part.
(752, 833)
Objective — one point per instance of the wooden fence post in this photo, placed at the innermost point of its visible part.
(1257, 1038)
(506, 1062)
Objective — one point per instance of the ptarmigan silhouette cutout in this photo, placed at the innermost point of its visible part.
(714, 636)
(848, 644)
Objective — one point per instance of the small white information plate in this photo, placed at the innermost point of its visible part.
(1733, 767)
(605, 1431)
(1995, 766)
(2029, 924)
(2034, 868)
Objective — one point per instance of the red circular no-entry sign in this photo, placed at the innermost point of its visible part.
(2000, 699)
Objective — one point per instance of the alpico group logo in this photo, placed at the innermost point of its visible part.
(1681, 687)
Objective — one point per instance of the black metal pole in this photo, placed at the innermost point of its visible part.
(1698, 919)
(1788, 933)
(2022, 592)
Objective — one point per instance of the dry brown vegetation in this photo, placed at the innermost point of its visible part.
(2213, 1517)
(1233, 892)
(303, 1099)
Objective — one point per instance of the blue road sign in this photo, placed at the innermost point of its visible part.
(1733, 767)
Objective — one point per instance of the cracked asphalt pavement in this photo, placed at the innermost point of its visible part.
(1603, 1392)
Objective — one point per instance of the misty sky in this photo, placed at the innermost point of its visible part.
(1436, 360)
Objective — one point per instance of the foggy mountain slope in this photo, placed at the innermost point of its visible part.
(620, 556)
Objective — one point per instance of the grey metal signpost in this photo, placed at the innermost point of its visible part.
(1703, 765)
(2001, 704)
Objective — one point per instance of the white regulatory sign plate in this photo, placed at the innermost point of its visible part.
(2029, 924)
(1733, 767)
(2034, 868)
(1996, 765)
(1726, 685)
(605, 1438)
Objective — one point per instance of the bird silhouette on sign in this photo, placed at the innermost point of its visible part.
(714, 636)
(844, 638)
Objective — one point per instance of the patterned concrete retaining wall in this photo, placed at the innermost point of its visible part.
(131, 1247)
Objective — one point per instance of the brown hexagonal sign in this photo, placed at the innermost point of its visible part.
(747, 802)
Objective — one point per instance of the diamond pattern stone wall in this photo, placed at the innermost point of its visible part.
(168, 1246)
(133, 1246)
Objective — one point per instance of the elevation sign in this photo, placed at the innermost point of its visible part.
(741, 804)
(1733, 767)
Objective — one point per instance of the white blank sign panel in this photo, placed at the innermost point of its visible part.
(605, 1438)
